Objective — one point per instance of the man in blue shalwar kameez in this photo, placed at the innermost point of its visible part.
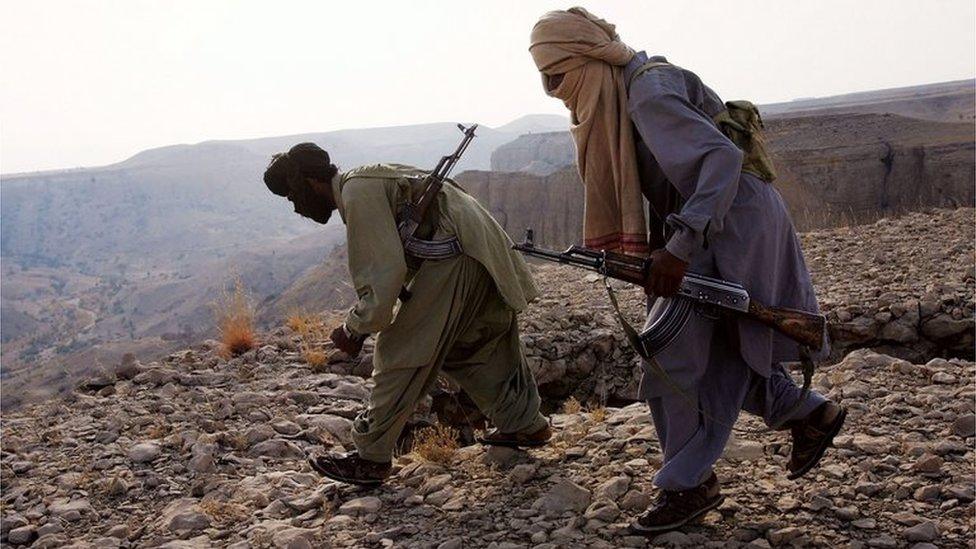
(649, 130)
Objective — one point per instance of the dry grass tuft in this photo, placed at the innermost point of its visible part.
(314, 331)
(114, 487)
(235, 321)
(224, 512)
(158, 430)
(436, 444)
(572, 406)
(598, 413)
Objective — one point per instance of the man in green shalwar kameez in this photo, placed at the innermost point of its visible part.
(459, 318)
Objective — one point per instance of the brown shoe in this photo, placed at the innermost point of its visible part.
(518, 440)
(351, 469)
(812, 436)
(676, 508)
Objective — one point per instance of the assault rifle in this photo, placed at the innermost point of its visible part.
(807, 329)
(412, 214)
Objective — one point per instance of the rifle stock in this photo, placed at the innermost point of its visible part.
(805, 328)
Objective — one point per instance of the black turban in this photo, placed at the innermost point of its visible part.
(285, 176)
(288, 170)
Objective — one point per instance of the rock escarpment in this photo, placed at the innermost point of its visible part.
(833, 169)
(550, 204)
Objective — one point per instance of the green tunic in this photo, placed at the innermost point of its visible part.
(460, 321)
(368, 199)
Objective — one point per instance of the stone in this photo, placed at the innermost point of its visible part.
(502, 457)
(434, 484)
(70, 510)
(564, 495)
(286, 427)
(943, 378)
(144, 452)
(635, 500)
(871, 444)
(613, 488)
(522, 473)
(783, 535)
(128, 367)
(184, 516)
(923, 531)
(743, 450)
(930, 464)
(883, 542)
(453, 543)
(944, 326)
(22, 536)
(276, 448)
(361, 506)
(672, 539)
(964, 426)
(604, 510)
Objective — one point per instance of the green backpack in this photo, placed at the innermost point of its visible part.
(742, 124)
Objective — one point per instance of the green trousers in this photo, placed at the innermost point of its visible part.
(457, 317)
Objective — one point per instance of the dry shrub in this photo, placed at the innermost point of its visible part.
(235, 321)
(224, 512)
(598, 413)
(157, 430)
(314, 331)
(113, 487)
(572, 406)
(437, 443)
(316, 359)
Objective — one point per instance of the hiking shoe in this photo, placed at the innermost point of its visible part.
(676, 508)
(518, 440)
(351, 469)
(812, 436)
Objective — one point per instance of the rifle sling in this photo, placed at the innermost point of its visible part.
(635, 342)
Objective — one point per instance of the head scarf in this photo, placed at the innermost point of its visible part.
(588, 53)
(285, 176)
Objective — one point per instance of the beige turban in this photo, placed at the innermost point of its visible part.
(588, 52)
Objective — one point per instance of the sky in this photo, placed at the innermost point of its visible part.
(85, 83)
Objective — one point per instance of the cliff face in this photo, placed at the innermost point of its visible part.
(834, 170)
(551, 204)
(536, 153)
(869, 165)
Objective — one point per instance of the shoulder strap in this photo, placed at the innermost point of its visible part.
(644, 68)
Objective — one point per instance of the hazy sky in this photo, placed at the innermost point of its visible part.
(92, 82)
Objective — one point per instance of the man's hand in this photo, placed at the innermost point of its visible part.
(346, 341)
(665, 275)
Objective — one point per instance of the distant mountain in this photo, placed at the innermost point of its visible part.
(536, 123)
(130, 255)
(942, 102)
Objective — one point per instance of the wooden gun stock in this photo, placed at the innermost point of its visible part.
(802, 327)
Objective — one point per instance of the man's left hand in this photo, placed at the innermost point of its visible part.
(665, 275)
(346, 341)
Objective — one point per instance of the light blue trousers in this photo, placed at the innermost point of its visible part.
(692, 442)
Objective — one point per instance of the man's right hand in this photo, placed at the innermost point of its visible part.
(346, 341)
(666, 274)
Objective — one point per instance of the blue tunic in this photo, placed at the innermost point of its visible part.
(726, 224)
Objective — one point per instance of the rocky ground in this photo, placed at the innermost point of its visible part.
(199, 451)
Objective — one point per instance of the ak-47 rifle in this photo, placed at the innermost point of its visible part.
(807, 329)
(412, 214)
